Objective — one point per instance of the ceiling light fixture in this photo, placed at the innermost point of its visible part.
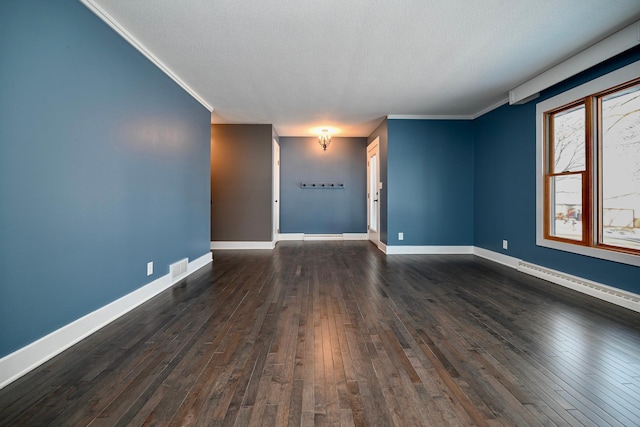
(324, 139)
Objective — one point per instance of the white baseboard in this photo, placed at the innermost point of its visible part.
(355, 236)
(290, 236)
(20, 362)
(601, 291)
(428, 250)
(309, 237)
(243, 245)
(509, 261)
(312, 237)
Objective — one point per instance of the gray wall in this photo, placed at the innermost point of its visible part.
(103, 168)
(323, 211)
(241, 183)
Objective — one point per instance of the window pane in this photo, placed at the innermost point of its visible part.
(569, 140)
(620, 217)
(566, 206)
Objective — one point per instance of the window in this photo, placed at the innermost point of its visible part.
(589, 163)
(567, 173)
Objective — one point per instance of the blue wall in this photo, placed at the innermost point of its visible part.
(241, 183)
(505, 192)
(430, 182)
(104, 166)
(323, 211)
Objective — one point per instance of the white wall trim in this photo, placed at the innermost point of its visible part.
(503, 259)
(355, 236)
(601, 291)
(599, 52)
(428, 250)
(242, 245)
(490, 108)
(22, 361)
(290, 236)
(115, 25)
(435, 117)
(303, 236)
(198, 263)
(311, 237)
(426, 117)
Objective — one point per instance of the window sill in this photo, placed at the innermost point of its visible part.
(608, 255)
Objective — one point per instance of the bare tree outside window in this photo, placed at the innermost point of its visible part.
(569, 140)
(620, 179)
(615, 193)
(569, 156)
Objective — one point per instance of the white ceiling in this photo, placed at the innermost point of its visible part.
(345, 64)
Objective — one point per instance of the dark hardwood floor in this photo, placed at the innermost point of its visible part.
(337, 333)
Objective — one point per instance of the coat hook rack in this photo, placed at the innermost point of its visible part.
(322, 185)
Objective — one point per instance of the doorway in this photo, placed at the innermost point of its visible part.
(373, 190)
(276, 191)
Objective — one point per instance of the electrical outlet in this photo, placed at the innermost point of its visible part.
(149, 268)
(505, 245)
(401, 236)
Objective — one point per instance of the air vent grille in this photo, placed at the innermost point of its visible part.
(178, 269)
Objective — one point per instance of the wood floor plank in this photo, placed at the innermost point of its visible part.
(337, 333)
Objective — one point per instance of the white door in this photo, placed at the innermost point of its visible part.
(373, 190)
(276, 190)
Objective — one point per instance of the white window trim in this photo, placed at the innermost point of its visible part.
(600, 84)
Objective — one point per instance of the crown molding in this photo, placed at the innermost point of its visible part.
(118, 28)
(426, 117)
(445, 117)
(490, 108)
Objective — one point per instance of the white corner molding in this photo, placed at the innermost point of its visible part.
(503, 259)
(428, 250)
(218, 245)
(617, 43)
(22, 361)
(124, 33)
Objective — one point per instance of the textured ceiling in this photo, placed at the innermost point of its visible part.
(303, 65)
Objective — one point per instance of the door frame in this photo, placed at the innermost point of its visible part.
(373, 200)
(276, 191)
